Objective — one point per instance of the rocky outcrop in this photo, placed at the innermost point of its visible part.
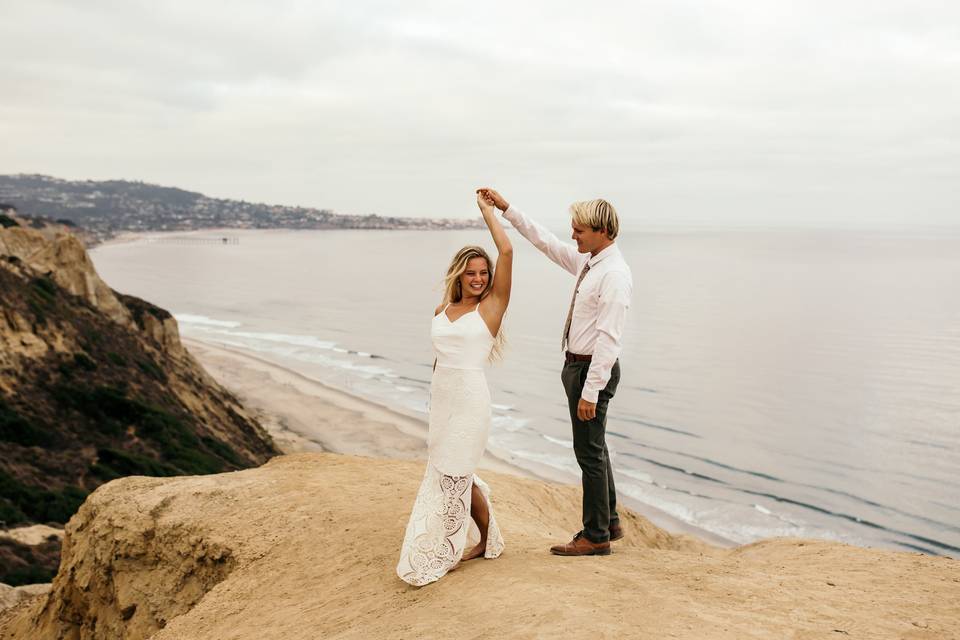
(157, 324)
(29, 557)
(129, 565)
(305, 547)
(63, 257)
(95, 385)
(12, 596)
(32, 535)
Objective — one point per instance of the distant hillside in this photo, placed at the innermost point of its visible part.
(95, 385)
(107, 207)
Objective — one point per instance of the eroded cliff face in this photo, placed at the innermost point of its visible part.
(95, 385)
(61, 255)
(129, 564)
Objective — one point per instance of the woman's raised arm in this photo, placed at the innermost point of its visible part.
(503, 273)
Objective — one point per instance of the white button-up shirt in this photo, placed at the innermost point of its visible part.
(600, 310)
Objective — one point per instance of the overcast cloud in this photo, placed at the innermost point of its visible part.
(688, 112)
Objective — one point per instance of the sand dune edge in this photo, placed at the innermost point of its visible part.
(305, 547)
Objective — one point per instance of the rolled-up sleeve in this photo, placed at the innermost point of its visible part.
(615, 292)
(565, 255)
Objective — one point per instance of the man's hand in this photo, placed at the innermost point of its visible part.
(498, 200)
(586, 410)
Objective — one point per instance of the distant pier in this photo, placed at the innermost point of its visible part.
(192, 240)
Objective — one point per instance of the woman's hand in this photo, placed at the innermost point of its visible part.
(484, 202)
(498, 201)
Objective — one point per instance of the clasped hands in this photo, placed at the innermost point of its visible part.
(489, 197)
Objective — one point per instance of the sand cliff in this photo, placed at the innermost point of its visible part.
(305, 547)
(94, 385)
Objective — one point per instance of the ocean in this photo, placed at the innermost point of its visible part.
(774, 383)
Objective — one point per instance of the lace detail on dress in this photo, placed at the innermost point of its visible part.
(437, 528)
(440, 528)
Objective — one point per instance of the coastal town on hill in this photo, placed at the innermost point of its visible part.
(104, 209)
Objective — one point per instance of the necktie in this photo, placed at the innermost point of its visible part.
(566, 326)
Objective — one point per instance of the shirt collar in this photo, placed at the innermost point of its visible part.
(606, 253)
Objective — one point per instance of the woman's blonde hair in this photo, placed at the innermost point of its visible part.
(597, 214)
(452, 291)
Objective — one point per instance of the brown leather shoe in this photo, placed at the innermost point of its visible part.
(616, 532)
(580, 546)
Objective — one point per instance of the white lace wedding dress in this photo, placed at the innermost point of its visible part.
(440, 527)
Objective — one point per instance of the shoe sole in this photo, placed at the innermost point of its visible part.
(619, 537)
(598, 552)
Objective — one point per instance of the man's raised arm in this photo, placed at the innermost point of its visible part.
(550, 245)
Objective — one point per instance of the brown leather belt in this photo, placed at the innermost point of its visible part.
(576, 357)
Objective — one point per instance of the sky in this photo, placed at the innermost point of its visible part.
(730, 113)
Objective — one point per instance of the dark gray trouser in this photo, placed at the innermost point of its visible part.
(590, 447)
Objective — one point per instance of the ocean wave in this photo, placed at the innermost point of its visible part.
(775, 479)
(635, 475)
(284, 338)
(941, 546)
(660, 427)
(567, 444)
(508, 423)
(565, 463)
(190, 318)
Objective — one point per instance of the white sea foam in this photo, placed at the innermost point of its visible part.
(635, 475)
(671, 507)
(284, 338)
(190, 318)
(508, 423)
(567, 444)
(566, 463)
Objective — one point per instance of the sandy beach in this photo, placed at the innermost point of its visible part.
(302, 414)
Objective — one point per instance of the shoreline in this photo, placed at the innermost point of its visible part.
(304, 414)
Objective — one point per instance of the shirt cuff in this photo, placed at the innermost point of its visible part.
(590, 395)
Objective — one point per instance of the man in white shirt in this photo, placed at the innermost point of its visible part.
(592, 343)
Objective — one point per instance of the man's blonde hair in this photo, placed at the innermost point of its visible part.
(597, 214)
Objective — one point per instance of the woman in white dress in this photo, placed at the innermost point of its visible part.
(452, 520)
